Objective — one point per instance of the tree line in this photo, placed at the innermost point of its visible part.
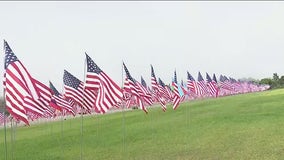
(274, 82)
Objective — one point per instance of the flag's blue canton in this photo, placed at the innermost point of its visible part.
(233, 79)
(128, 74)
(208, 78)
(152, 72)
(56, 93)
(189, 76)
(70, 80)
(214, 78)
(175, 77)
(181, 83)
(92, 66)
(9, 55)
(161, 83)
(222, 78)
(143, 82)
(226, 78)
(200, 78)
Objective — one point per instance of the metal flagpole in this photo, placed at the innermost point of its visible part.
(12, 140)
(187, 121)
(62, 113)
(15, 134)
(5, 134)
(5, 118)
(62, 148)
(123, 118)
(98, 126)
(83, 111)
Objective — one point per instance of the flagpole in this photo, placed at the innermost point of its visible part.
(5, 118)
(12, 139)
(98, 127)
(5, 134)
(123, 118)
(187, 99)
(62, 131)
(15, 134)
(82, 111)
(62, 112)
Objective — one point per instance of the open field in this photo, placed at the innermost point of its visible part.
(238, 127)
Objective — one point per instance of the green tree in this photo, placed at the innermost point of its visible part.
(268, 81)
(281, 81)
(275, 77)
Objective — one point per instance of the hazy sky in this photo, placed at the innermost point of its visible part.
(237, 39)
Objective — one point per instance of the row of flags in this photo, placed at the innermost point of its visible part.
(28, 99)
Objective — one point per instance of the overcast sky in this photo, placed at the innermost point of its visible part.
(236, 39)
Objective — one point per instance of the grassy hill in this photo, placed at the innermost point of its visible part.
(248, 126)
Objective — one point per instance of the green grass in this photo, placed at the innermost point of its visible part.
(238, 127)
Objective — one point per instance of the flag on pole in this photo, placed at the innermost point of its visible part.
(214, 78)
(192, 85)
(201, 86)
(146, 92)
(109, 93)
(212, 86)
(59, 102)
(135, 90)
(156, 90)
(165, 91)
(74, 89)
(176, 95)
(21, 91)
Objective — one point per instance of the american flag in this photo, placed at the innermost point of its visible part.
(127, 96)
(153, 79)
(60, 101)
(19, 86)
(109, 93)
(183, 87)
(55, 94)
(126, 90)
(149, 90)
(225, 83)
(201, 86)
(236, 85)
(39, 106)
(34, 106)
(45, 94)
(176, 95)
(214, 78)
(135, 90)
(191, 85)
(226, 86)
(148, 96)
(156, 91)
(143, 82)
(165, 90)
(183, 90)
(144, 92)
(74, 89)
(212, 86)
